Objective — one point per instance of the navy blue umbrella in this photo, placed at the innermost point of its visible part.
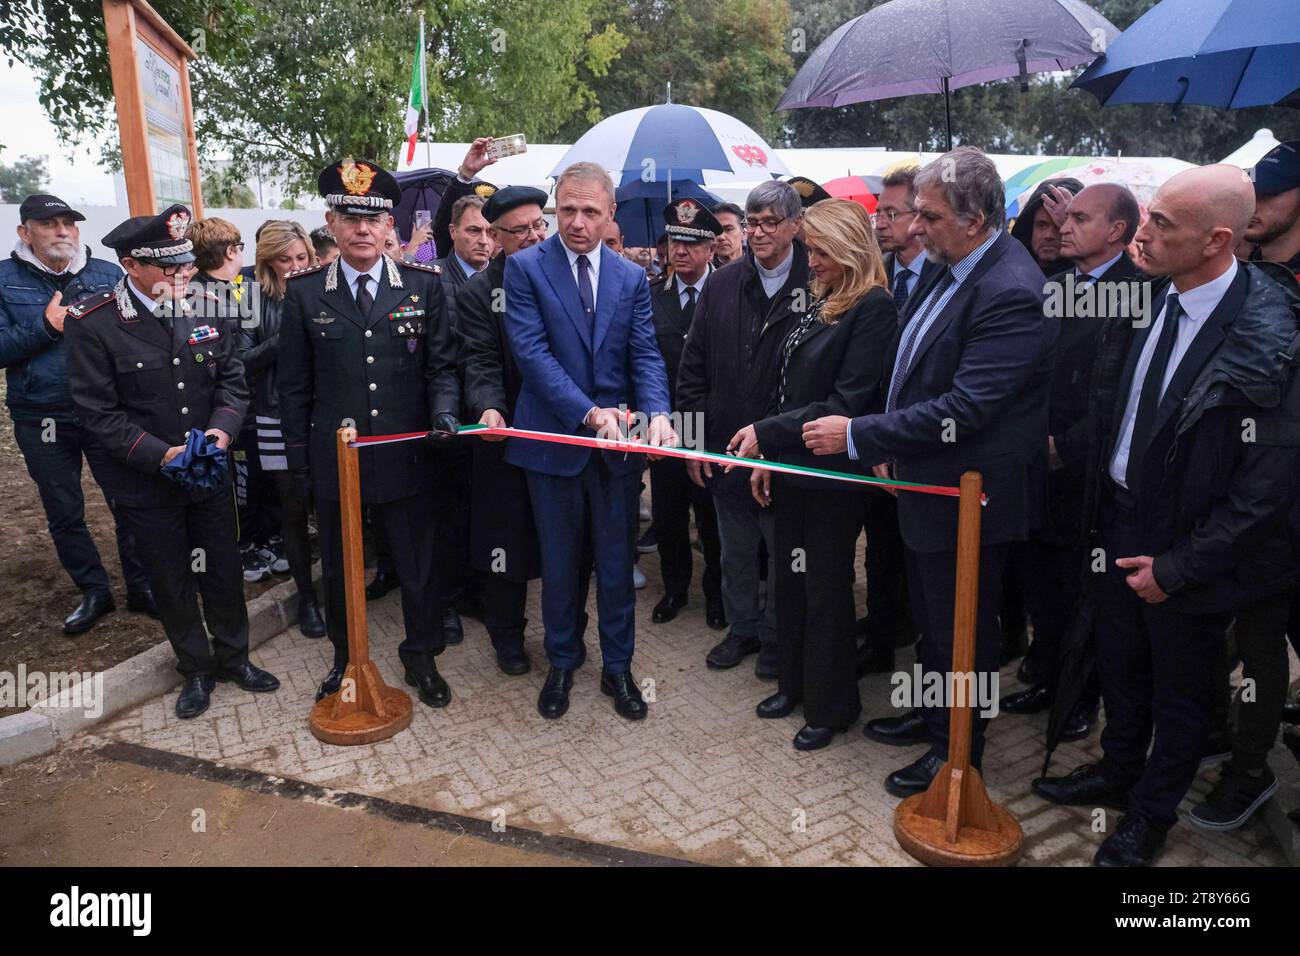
(1226, 53)
(640, 212)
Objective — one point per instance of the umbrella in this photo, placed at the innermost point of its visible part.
(671, 141)
(936, 46)
(1226, 53)
(421, 189)
(1142, 176)
(640, 212)
(861, 189)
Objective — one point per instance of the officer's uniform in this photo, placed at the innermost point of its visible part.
(140, 381)
(387, 369)
(672, 493)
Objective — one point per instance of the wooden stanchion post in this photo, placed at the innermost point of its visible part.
(364, 709)
(954, 823)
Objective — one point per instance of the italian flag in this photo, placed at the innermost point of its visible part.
(416, 102)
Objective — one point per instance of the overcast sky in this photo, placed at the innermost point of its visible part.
(75, 177)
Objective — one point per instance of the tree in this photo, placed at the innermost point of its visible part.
(727, 55)
(226, 189)
(26, 176)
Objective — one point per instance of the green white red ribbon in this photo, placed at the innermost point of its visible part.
(628, 446)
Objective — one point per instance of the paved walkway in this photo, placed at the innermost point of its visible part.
(702, 778)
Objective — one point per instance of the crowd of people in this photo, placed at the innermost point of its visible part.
(1123, 378)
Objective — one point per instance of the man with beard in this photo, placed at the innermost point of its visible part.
(48, 271)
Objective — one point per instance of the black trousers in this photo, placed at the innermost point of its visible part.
(816, 537)
(1160, 670)
(505, 601)
(1048, 579)
(1259, 636)
(888, 618)
(412, 529)
(55, 467)
(293, 529)
(259, 507)
(932, 587)
(193, 550)
(454, 494)
(672, 497)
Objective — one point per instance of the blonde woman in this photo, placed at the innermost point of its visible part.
(282, 247)
(833, 363)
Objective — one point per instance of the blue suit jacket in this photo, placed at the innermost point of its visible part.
(974, 398)
(566, 369)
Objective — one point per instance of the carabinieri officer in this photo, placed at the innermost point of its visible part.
(364, 342)
(145, 367)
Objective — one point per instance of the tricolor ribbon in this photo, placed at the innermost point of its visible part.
(640, 448)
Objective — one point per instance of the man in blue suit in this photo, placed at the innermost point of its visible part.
(967, 391)
(578, 317)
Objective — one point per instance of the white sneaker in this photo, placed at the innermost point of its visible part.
(638, 578)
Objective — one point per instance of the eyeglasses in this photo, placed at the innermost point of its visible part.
(520, 231)
(171, 270)
(765, 225)
(891, 215)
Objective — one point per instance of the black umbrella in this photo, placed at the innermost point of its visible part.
(935, 46)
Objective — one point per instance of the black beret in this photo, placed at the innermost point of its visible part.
(809, 191)
(512, 197)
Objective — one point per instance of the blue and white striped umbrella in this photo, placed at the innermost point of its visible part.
(671, 142)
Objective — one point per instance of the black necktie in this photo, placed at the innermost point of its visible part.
(900, 289)
(688, 310)
(1149, 400)
(364, 299)
(585, 295)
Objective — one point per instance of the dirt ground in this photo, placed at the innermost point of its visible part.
(37, 592)
(76, 808)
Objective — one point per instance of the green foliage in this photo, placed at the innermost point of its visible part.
(24, 177)
(226, 189)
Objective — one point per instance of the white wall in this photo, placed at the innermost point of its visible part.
(101, 220)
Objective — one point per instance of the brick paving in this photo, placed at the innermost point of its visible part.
(702, 778)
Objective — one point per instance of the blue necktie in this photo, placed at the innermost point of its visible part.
(900, 289)
(1149, 400)
(913, 334)
(584, 293)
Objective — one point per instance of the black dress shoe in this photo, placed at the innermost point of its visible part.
(815, 738)
(453, 632)
(1035, 700)
(715, 615)
(1291, 714)
(874, 660)
(1135, 842)
(776, 706)
(90, 610)
(768, 665)
(1084, 786)
(142, 602)
(381, 584)
(904, 731)
(553, 701)
(916, 776)
(331, 683)
(195, 696)
(667, 608)
(310, 620)
(1081, 721)
(433, 690)
(250, 678)
(628, 702)
(512, 660)
(730, 651)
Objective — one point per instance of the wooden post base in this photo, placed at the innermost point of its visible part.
(364, 709)
(954, 823)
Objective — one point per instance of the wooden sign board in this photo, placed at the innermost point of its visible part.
(151, 85)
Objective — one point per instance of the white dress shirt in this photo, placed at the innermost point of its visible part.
(350, 276)
(1196, 307)
(593, 268)
(1099, 271)
(697, 285)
